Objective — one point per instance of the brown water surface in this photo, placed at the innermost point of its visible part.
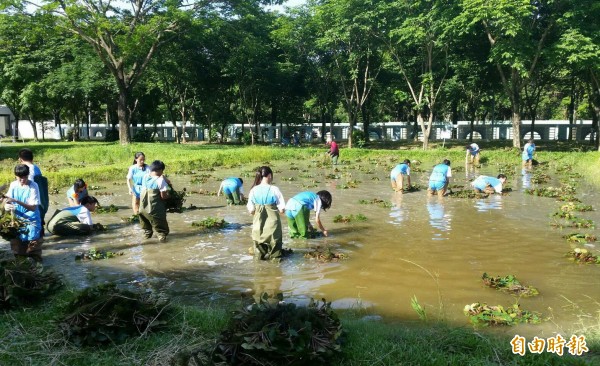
(431, 248)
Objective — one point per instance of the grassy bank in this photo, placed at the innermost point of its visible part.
(63, 162)
(31, 337)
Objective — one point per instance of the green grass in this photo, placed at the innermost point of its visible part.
(31, 337)
(63, 162)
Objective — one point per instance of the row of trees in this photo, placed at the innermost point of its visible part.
(138, 62)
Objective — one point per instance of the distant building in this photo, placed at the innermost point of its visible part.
(6, 119)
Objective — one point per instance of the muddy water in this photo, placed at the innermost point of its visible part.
(431, 248)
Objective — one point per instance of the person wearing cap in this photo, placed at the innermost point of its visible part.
(74, 220)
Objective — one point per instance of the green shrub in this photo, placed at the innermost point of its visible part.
(280, 334)
(143, 135)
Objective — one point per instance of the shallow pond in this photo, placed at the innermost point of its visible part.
(431, 248)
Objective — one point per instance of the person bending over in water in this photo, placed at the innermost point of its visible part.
(490, 185)
(74, 220)
(298, 210)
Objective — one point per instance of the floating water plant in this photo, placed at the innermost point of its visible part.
(95, 188)
(106, 209)
(325, 255)
(583, 256)
(580, 238)
(93, 255)
(131, 219)
(210, 223)
(332, 176)
(575, 206)
(376, 201)
(175, 200)
(108, 315)
(205, 192)
(467, 194)
(412, 188)
(483, 314)
(574, 222)
(509, 284)
(23, 283)
(539, 177)
(350, 218)
(274, 332)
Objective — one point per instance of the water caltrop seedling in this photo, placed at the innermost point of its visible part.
(580, 238)
(210, 223)
(481, 314)
(583, 256)
(349, 218)
(93, 255)
(509, 284)
(108, 209)
(325, 255)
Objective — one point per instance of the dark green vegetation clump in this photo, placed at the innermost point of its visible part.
(376, 201)
(565, 192)
(276, 333)
(10, 226)
(23, 283)
(133, 219)
(325, 255)
(464, 193)
(481, 314)
(94, 255)
(509, 284)
(210, 223)
(580, 238)
(105, 314)
(349, 218)
(174, 203)
(583, 256)
(108, 209)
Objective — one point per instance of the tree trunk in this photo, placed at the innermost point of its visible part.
(34, 126)
(123, 114)
(516, 124)
(56, 115)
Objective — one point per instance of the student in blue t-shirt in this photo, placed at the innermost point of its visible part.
(490, 185)
(76, 193)
(528, 151)
(472, 153)
(233, 189)
(397, 176)
(74, 220)
(440, 179)
(298, 210)
(135, 175)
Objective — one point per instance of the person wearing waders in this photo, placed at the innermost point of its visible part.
(266, 202)
(75, 220)
(440, 179)
(298, 210)
(23, 200)
(232, 188)
(153, 211)
(135, 174)
(35, 174)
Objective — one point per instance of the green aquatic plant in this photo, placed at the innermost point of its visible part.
(325, 255)
(273, 332)
(481, 314)
(10, 226)
(332, 176)
(133, 219)
(420, 310)
(93, 255)
(376, 201)
(509, 284)
(349, 218)
(581, 255)
(539, 177)
(580, 238)
(464, 193)
(24, 282)
(210, 223)
(106, 209)
(175, 200)
(575, 206)
(205, 192)
(105, 315)
(574, 222)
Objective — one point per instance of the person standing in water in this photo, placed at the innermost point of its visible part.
(23, 199)
(334, 150)
(153, 211)
(527, 155)
(266, 202)
(135, 175)
(440, 179)
(298, 210)
(397, 176)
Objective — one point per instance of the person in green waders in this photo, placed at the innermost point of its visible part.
(74, 220)
(266, 202)
(153, 211)
(298, 210)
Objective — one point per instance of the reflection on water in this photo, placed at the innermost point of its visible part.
(493, 202)
(526, 176)
(438, 218)
(390, 255)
